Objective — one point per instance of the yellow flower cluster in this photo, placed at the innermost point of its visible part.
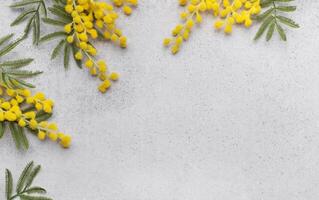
(126, 5)
(228, 12)
(18, 105)
(91, 18)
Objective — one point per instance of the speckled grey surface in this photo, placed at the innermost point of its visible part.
(226, 119)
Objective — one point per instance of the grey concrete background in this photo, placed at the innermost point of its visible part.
(225, 119)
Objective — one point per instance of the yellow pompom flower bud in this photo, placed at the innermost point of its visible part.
(183, 15)
(19, 99)
(93, 71)
(38, 106)
(114, 76)
(44, 124)
(77, 19)
(65, 141)
(33, 124)
(191, 8)
(69, 39)
(83, 45)
(248, 22)
(30, 115)
(83, 37)
(199, 18)
(167, 42)
(202, 7)
(182, 2)
(228, 29)
(118, 32)
(174, 49)
(179, 40)
(30, 100)
(79, 9)
(68, 28)
(189, 24)
(230, 20)
(10, 116)
(41, 135)
(88, 24)
(102, 66)
(53, 136)
(102, 76)
(215, 6)
(123, 40)
(107, 35)
(26, 93)
(99, 23)
(108, 19)
(114, 37)
(127, 10)
(89, 63)
(106, 84)
(6, 105)
(40, 96)
(133, 2)
(239, 19)
(186, 35)
(218, 24)
(93, 33)
(68, 8)
(22, 123)
(248, 5)
(79, 55)
(10, 92)
(237, 4)
(47, 108)
(53, 126)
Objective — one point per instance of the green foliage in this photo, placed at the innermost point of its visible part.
(60, 19)
(272, 19)
(18, 133)
(31, 11)
(24, 189)
(11, 74)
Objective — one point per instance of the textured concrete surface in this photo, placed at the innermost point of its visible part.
(226, 119)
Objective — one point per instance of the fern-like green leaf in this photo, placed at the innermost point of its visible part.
(281, 32)
(277, 8)
(9, 184)
(10, 47)
(32, 10)
(263, 27)
(42, 116)
(22, 17)
(53, 22)
(24, 3)
(270, 30)
(19, 136)
(28, 197)
(5, 38)
(36, 190)
(57, 49)
(24, 176)
(32, 175)
(60, 13)
(14, 64)
(2, 129)
(15, 134)
(67, 50)
(288, 22)
(24, 190)
(52, 36)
